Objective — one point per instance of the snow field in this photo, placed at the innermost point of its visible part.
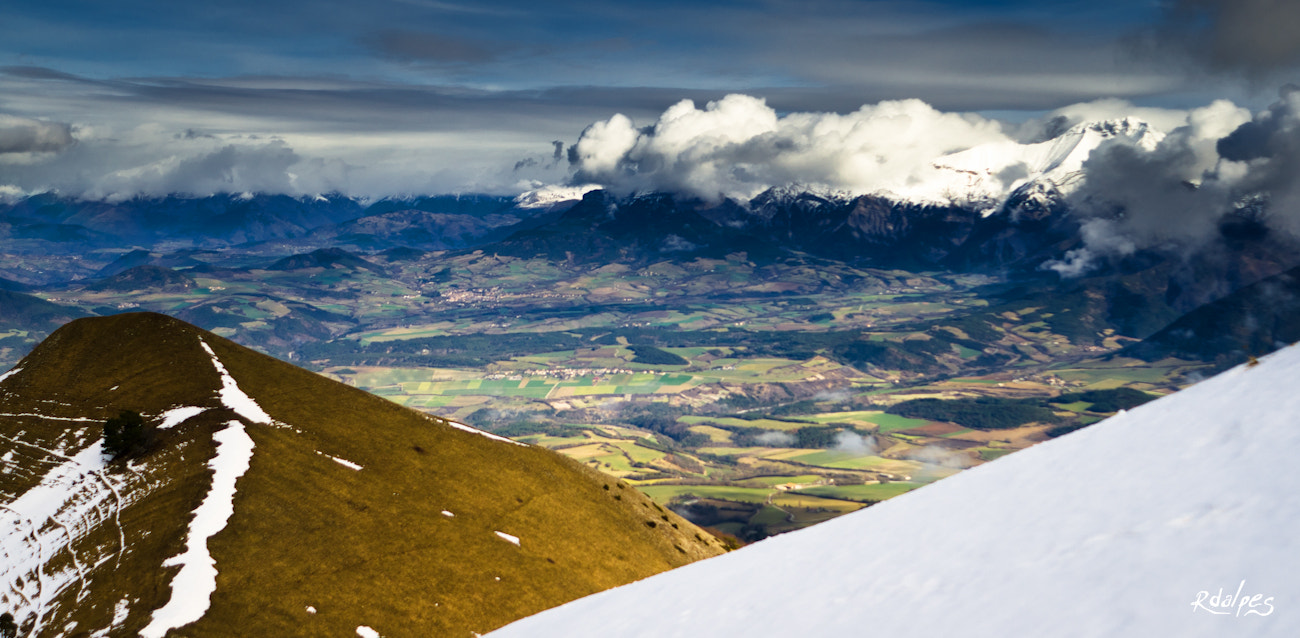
(234, 398)
(1116, 530)
(193, 585)
(72, 499)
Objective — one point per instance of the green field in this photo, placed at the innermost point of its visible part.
(772, 481)
(862, 493)
(886, 422)
(765, 424)
(666, 493)
(841, 460)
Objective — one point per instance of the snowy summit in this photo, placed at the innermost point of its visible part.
(1177, 518)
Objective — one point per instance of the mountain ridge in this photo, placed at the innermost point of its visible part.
(369, 513)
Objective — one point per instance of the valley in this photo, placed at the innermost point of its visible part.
(752, 395)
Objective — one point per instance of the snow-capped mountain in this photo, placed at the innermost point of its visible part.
(987, 175)
(983, 176)
(1177, 518)
(552, 195)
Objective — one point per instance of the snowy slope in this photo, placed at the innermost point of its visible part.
(72, 499)
(989, 173)
(1116, 530)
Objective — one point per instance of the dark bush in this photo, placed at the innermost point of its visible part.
(1108, 400)
(651, 355)
(127, 434)
(815, 437)
(981, 413)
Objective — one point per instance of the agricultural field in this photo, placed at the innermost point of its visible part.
(754, 398)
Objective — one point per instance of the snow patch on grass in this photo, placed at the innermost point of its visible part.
(193, 585)
(448, 514)
(51, 418)
(366, 632)
(509, 538)
(234, 398)
(45, 521)
(120, 613)
(10, 373)
(462, 426)
(341, 461)
(177, 416)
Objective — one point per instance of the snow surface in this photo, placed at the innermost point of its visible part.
(121, 611)
(72, 499)
(10, 373)
(1114, 530)
(234, 398)
(366, 632)
(462, 426)
(193, 585)
(977, 174)
(553, 194)
(177, 416)
(448, 514)
(51, 418)
(509, 538)
(345, 463)
(341, 461)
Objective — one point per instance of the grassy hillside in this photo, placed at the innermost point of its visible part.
(367, 547)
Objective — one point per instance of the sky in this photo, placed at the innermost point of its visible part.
(389, 97)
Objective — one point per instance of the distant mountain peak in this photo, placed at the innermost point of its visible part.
(553, 195)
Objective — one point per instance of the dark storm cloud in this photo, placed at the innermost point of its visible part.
(1178, 194)
(1272, 133)
(22, 135)
(1254, 36)
(1269, 145)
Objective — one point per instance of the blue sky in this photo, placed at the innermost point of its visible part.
(430, 95)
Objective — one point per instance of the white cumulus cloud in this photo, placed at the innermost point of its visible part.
(739, 146)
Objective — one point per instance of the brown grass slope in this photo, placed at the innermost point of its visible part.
(369, 547)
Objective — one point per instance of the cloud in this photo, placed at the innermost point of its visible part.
(1058, 120)
(19, 135)
(940, 456)
(1223, 162)
(773, 438)
(232, 168)
(112, 163)
(1253, 36)
(739, 146)
(833, 396)
(1266, 151)
(852, 442)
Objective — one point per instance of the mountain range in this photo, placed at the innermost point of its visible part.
(666, 336)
